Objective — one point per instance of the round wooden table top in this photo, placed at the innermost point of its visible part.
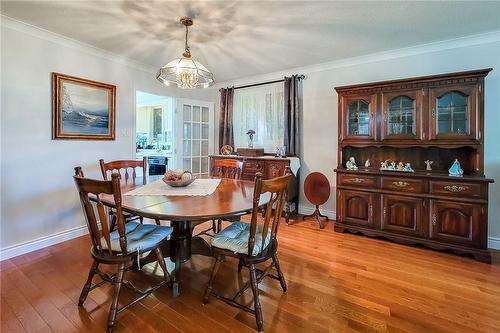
(317, 188)
(231, 197)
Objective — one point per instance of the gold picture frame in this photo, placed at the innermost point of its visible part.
(82, 109)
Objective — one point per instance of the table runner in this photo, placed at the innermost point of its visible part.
(199, 187)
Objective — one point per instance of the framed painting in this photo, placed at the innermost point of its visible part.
(82, 109)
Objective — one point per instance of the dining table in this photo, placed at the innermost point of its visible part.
(184, 212)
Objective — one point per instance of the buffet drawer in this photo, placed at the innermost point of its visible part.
(251, 167)
(402, 184)
(455, 188)
(357, 180)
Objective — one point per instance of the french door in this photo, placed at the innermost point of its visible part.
(195, 135)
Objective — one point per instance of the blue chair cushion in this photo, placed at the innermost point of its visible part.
(142, 237)
(235, 238)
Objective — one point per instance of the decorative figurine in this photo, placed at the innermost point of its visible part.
(368, 163)
(392, 166)
(428, 165)
(250, 134)
(351, 164)
(383, 165)
(455, 169)
(408, 168)
(401, 166)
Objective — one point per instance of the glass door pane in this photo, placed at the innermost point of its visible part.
(400, 116)
(197, 143)
(452, 113)
(358, 114)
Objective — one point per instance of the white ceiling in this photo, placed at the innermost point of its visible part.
(237, 39)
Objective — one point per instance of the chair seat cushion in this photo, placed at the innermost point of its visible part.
(142, 237)
(235, 238)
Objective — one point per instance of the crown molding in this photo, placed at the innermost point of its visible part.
(470, 40)
(32, 30)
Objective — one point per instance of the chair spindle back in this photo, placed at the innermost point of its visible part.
(277, 188)
(124, 165)
(86, 187)
(227, 168)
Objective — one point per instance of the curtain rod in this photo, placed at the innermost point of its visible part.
(300, 77)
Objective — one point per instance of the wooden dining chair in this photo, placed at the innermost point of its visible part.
(121, 247)
(122, 168)
(253, 243)
(227, 168)
(224, 168)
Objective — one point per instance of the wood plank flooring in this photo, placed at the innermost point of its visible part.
(337, 283)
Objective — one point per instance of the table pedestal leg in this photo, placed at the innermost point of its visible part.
(318, 217)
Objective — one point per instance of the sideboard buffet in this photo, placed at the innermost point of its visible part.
(270, 167)
(427, 122)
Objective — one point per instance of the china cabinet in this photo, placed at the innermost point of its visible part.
(434, 118)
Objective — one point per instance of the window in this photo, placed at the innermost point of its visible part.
(261, 109)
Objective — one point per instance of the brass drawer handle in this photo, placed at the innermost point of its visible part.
(434, 219)
(456, 188)
(358, 180)
(400, 184)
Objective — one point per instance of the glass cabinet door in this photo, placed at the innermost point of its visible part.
(401, 115)
(453, 113)
(359, 117)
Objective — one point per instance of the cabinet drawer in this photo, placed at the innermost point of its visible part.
(357, 180)
(455, 188)
(402, 184)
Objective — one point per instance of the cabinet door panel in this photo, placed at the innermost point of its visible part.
(358, 117)
(357, 208)
(274, 169)
(453, 113)
(403, 215)
(402, 115)
(459, 223)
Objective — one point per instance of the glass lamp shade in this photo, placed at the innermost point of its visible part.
(186, 73)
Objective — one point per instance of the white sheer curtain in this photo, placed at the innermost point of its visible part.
(261, 109)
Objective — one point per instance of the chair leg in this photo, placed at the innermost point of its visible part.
(280, 273)
(141, 219)
(240, 266)
(214, 226)
(255, 290)
(157, 222)
(161, 261)
(113, 222)
(219, 225)
(208, 291)
(88, 284)
(114, 304)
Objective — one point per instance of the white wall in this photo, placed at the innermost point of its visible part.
(38, 196)
(319, 140)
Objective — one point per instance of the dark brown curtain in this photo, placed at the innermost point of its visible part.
(292, 97)
(226, 136)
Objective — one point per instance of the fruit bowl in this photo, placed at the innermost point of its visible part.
(178, 178)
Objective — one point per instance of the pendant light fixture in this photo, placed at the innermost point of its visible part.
(185, 72)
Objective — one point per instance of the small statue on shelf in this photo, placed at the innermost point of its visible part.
(408, 168)
(351, 164)
(392, 166)
(368, 163)
(384, 165)
(400, 166)
(455, 169)
(428, 165)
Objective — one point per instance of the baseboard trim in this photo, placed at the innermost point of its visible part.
(494, 243)
(39, 243)
(306, 210)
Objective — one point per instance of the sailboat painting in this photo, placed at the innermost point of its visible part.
(83, 109)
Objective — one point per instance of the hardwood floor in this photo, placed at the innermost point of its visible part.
(337, 283)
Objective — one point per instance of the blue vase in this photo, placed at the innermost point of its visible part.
(455, 169)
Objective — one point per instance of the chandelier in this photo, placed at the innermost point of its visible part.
(185, 72)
